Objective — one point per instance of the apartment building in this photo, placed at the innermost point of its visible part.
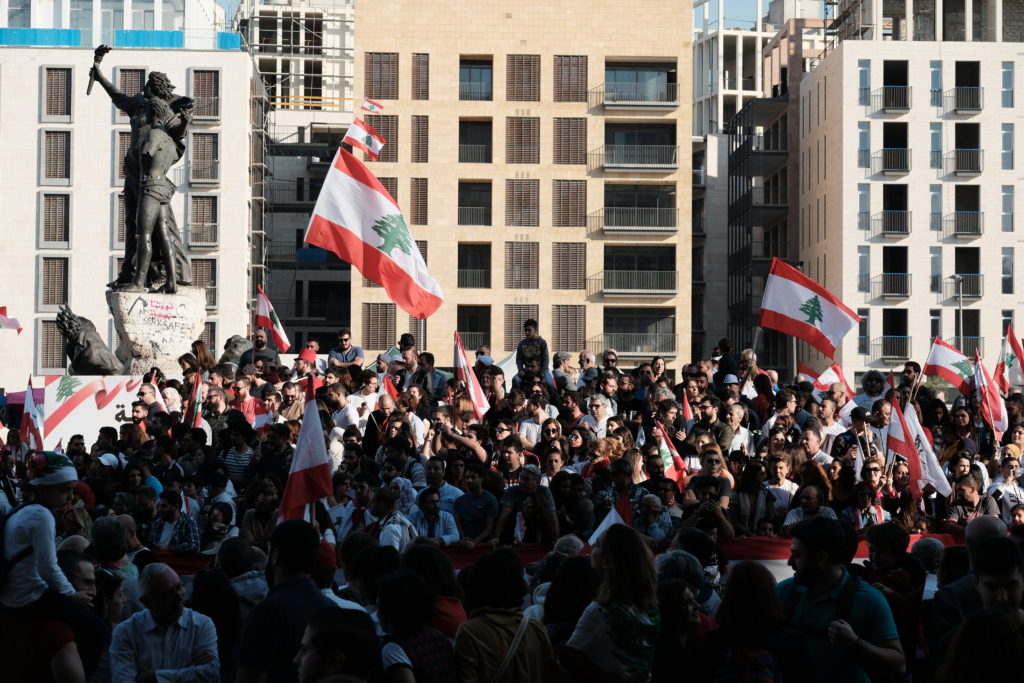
(63, 165)
(907, 194)
(535, 152)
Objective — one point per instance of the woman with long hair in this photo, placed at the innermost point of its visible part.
(550, 430)
(752, 502)
(553, 459)
(204, 358)
(658, 368)
(573, 587)
(764, 404)
(405, 494)
(579, 440)
(812, 473)
(615, 638)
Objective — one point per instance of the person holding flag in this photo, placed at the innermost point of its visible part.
(309, 478)
(1008, 373)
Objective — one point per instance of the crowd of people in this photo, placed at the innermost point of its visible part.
(155, 551)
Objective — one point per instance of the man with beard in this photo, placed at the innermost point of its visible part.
(259, 351)
(847, 623)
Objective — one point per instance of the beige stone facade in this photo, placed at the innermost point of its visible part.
(607, 278)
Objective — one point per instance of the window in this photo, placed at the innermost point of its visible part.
(475, 202)
(522, 265)
(935, 131)
(130, 82)
(1007, 152)
(81, 14)
(381, 77)
(57, 94)
(568, 328)
(935, 196)
(119, 226)
(569, 203)
(204, 165)
(864, 144)
(421, 79)
(863, 205)
(863, 268)
(19, 15)
(1007, 194)
(124, 142)
(568, 265)
(515, 316)
(1007, 320)
(204, 276)
(570, 78)
(864, 80)
(935, 316)
(1007, 255)
(418, 329)
(474, 266)
(51, 347)
(570, 140)
(863, 332)
(206, 92)
(935, 69)
(378, 326)
(523, 78)
(143, 15)
(387, 126)
(522, 140)
(418, 205)
(209, 333)
(1007, 91)
(56, 221)
(475, 79)
(202, 225)
(522, 202)
(391, 185)
(935, 260)
(420, 139)
(56, 157)
(54, 284)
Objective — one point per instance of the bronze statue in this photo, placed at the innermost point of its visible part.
(84, 347)
(155, 257)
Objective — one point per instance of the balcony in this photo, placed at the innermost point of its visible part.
(967, 285)
(964, 224)
(637, 157)
(471, 278)
(635, 219)
(207, 109)
(964, 161)
(660, 283)
(891, 347)
(774, 196)
(471, 341)
(635, 344)
(964, 100)
(891, 285)
(474, 154)
(202, 235)
(891, 99)
(770, 142)
(204, 172)
(891, 161)
(891, 223)
(699, 177)
(474, 215)
(635, 96)
(968, 345)
(475, 91)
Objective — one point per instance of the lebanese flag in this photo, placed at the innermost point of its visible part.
(310, 476)
(266, 317)
(993, 409)
(8, 323)
(263, 419)
(892, 380)
(931, 470)
(901, 442)
(194, 414)
(29, 430)
(671, 461)
(357, 219)
(950, 364)
(362, 136)
(833, 374)
(622, 513)
(1008, 372)
(464, 372)
(371, 106)
(687, 413)
(796, 305)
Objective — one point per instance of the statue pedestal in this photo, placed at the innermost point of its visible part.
(157, 328)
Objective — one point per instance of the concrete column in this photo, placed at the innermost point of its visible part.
(909, 12)
(938, 20)
(968, 20)
(997, 7)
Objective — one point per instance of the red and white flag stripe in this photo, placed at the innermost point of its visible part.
(464, 372)
(901, 442)
(267, 317)
(993, 409)
(371, 106)
(362, 136)
(310, 476)
(946, 361)
(1008, 371)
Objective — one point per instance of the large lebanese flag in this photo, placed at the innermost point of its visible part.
(362, 136)
(1008, 371)
(946, 361)
(29, 429)
(993, 409)
(901, 442)
(795, 304)
(464, 372)
(267, 317)
(310, 476)
(931, 470)
(357, 219)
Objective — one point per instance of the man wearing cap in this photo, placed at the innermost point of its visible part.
(305, 367)
(561, 372)
(259, 351)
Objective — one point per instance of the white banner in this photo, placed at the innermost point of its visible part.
(81, 404)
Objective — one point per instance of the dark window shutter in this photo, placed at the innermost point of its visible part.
(522, 140)
(206, 92)
(570, 78)
(204, 276)
(205, 154)
(124, 142)
(209, 334)
(379, 326)
(568, 328)
(203, 219)
(570, 140)
(55, 281)
(391, 185)
(515, 316)
(58, 92)
(57, 162)
(568, 265)
(422, 246)
(421, 77)
(420, 139)
(418, 205)
(523, 78)
(381, 76)
(51, 345)
(522, 203)
(387, 126)
(56, 217)
(130, 82)
(522, 265)
(569, 203)
(119, 227)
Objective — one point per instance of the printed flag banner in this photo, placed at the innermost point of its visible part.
(993, 409)
(310, 476)
(8, 323)
(1008, 372)
(464, 372)
(357, 219)
(371, 106)
(947, 362)
(796, 305)
(267, 317)
(76, 404)
(362, 136)
(901, 442)
(931, 470)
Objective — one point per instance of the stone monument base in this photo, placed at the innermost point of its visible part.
(157, 328)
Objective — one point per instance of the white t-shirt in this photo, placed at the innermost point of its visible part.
(783, 495)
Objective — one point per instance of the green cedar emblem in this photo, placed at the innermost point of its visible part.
(275, 320)
(368, 141)
(67, 386)
(1010, 358)
(812, 309)
(964, 367)
(395, 233)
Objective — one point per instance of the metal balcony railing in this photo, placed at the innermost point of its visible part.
(211, 297)
(964, 100)
(474, 154)
(634, 282)
(892, 347)
(475, 91)
(639, 219)
(892, 285)
(635, 94)
(775, 195)
(474, 340)
(891, 223)
(637, 156)
(699, 177)
(642, 344)
(891, 161)
(769, 142)
(471, 278)
(207, 109)
(968, 345)
(203, 172)
(891, 98)
(968, 285)
(964, 224)
(474, 215)
(202, 235)
(964, 161)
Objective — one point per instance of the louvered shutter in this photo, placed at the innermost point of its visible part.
(421, 76)
(206, 91)
(570, 78)
(381, 75)
(570, 140)
(124, 143)
(58, 92)
(387, 126)
(522, 140)
(523, 78)
(209, 334)
(130, 82)
(391, 185)
(119, 227)
(568, 265)
(56, 217)
(204, 276)
(55, 281)
(515, 316)
(418, 329)
(522, 265)
(51, 345)
(378, 326)
(568, 328)
(57, 153)
(418, 205)
(522, 203)
(420, 139)
(569, 203)
(203, 219)
(204, 156)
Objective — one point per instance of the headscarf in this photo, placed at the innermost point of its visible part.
(47, 468)
(172, 400)
(407, 497)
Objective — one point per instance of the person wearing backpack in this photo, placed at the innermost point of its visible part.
(32, 586)
(847, 624)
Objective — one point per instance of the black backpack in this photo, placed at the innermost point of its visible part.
(7, 563)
